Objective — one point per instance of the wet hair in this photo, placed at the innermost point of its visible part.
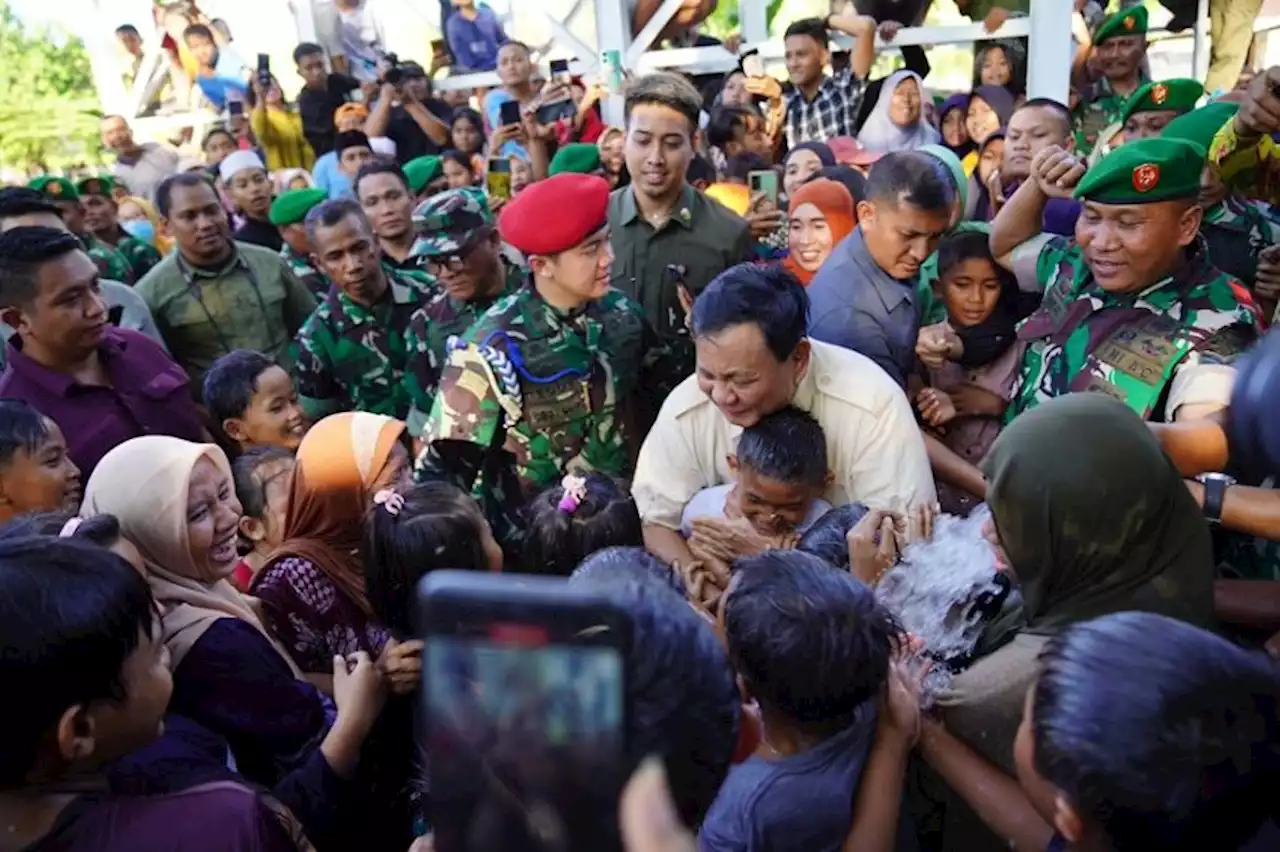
(556, 541)
(71, 614)
(726, 124)
(306, 49)
(184, 180)
(810, 642)
(914, 178)
(197, 30)
(22, 428)
(663, 88)
(251, 487)
(765, 296)
(331, 212)
(232, 381)
(475, 119)
(101, 530)
(700, 169)
(1058, 109)
(350, 139)
(681, 693)
(1165, 734)
(23, 252)
(457, 157)
(740, 166)
(22, 201)
(825, 537)
(440, 526)
(814, 28)
(787, 446)
(616, 564)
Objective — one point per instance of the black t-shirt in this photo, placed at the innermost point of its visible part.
(317, 109)
(259, 233)
(411, 141)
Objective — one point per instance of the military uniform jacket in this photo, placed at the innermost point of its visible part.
(1130, 346)
(1236, 230)
(428, 337)
(312, 278)
(111, 263)
(1100, 107)
(351, 357)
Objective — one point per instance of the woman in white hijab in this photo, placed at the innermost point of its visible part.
(898, 123)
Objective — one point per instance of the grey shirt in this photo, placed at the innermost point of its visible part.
(855, 304)
(143, 174)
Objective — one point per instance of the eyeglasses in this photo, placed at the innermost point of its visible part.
(455, 262)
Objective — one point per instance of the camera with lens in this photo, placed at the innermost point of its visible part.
(394, 74)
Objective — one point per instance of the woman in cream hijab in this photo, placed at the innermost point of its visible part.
(176, 503)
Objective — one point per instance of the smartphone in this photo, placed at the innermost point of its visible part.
(751, 63)
(764, 181)
(560, 70)
(611, 70)
(524, 710)
(264, 70)
(235, 108)
(556, 110)
(497, 180)
(509, 113)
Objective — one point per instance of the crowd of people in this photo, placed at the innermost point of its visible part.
(722, 366)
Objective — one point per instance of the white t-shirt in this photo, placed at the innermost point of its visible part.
(709, 503)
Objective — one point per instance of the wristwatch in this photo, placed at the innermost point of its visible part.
(1215, 488)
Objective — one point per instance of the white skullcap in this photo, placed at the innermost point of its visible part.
(383, 146)
(238, 161)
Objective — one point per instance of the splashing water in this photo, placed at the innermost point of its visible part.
(934, 589)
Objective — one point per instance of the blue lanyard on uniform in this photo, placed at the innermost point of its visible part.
(194, 291)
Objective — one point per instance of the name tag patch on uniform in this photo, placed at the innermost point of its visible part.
(1137, 353)
(550, 405)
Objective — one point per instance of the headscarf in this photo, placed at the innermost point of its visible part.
(607, 134)
(960, 102)
(145, 483)
(1094, 518)
(836, 205)
(982, 211)
(848, 177)
(159, 241)
(338, 462)
(952, 162)
(284, 177)
(879, 132)
(1000, 100)
(820, 149)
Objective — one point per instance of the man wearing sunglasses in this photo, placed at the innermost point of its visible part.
(459, 245)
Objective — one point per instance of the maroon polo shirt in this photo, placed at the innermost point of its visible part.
(148, 396)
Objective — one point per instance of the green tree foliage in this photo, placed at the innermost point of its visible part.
(48, 105)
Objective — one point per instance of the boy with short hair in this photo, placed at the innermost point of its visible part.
(36, 474)
(252, 402)
(780, 473)
(812, 646)
(222, 77)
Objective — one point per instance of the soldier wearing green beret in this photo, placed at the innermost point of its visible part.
(98, 204)
(578, 157)
(1154, 105)
(1236, 229)
(426, 176)
(1132, 306)
(1119, 44)
(63, 194)
(288, 213)
(460, 246)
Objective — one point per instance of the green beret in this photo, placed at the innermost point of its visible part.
(421, 171)
(1179, 94)
(1200, 126)
(1126, 22)
(1145, 171)
(292, 207)
(57, 188)
(579, 158)
(99, 185)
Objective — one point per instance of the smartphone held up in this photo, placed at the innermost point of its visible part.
(524, 713)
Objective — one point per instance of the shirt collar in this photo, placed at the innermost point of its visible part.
(892, 292)
(681, 214)
(59, 383)
(198, 272)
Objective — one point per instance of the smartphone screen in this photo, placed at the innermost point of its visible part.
(559, 67)
(509, 113)
(525, 720)
(497, 179)
(235, 107)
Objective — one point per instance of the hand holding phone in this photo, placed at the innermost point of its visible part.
(509, 113)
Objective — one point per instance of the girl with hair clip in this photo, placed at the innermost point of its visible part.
(568, 522)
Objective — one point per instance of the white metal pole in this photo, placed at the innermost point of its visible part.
(613, 32)
(753, 20)
(304, 16)
(1200, 53)
(99, 43)
(1049, 51)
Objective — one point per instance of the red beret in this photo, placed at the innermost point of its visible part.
(555, 214)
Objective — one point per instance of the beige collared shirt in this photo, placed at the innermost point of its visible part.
(874, 447)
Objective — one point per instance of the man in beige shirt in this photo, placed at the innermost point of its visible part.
(753, 358)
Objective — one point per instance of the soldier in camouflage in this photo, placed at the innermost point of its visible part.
(1119, 44)
(462, 250)
(102, 224)
(539, 386)
(351, 353)
(61, 192)
(288, 213)
(1133, 309)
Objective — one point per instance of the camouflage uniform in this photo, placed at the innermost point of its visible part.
(428, 337)
(349, 357)
(111, 263)
(1236, 230)
(1100, 107)
(313, 278)
(140, 256)
(1085, 339)
(542, 388)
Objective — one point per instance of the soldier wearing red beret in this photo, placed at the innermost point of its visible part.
(534, 390)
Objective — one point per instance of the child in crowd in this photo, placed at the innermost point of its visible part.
(971, 360)
(459, 169)
(262, 476)
(431, 526)
(568, 522)
(813, 647)
(780, 472)
(466, 133)
(252, 402)
(36, 474)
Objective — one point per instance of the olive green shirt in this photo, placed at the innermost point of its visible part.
(254, 301)
(703, 237)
